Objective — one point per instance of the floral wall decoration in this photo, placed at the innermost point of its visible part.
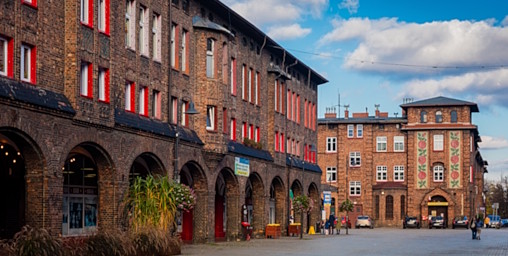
(422, 159)
(455, 160)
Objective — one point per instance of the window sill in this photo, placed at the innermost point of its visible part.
(130, 49)
(90, 26)
(330, 152)
(158, 61)
(211, 130)
(104, 33)
(355, 195)
(31, 5)
(381, 180)
(104, 102)
(86, 97)
(28, 82)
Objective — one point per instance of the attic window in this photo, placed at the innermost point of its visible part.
(244, 41)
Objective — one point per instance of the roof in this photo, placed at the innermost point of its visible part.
(23, 92)
(137, 122)
(204, 23)
(240, 22)
(298, 163)
(241, 149)
(441, 101)
(370, 119)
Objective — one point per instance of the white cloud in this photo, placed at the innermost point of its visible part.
(288, 32)
(350, 5)
(443, 44)
(504, 23)
(276, 12)
(489, 142)
(489, 87)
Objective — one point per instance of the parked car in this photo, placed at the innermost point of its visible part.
(504, 223)
(411, 222)
(364, 221)
(495, 221)
(343, 222)
(460, 221)
(437, 222)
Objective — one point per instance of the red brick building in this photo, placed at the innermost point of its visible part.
(94, 93)
(426, 162)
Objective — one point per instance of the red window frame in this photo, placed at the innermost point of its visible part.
(258, 134)
(233, 76)
(245, 84)
(132, 98)
(251, 132)
(89, 81)
(106, 85)
(258, 81)
(252, 86)
(233, 129)
(282, 148)
(288, 104)
(277, 141)
(144, 89)
(106, 18)
(33, 3)
(10, 56)
(298, 109)
(245, 133)
(90, 15)
(225, 120)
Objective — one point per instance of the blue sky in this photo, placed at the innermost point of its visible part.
(380, 52)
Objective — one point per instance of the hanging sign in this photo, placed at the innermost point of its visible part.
(242, 167)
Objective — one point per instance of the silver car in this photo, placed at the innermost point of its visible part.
(364, 221)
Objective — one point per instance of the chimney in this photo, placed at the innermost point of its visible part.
(330, 113)
(377, 110)
(346, 112)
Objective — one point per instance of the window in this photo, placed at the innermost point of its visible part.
(439, 117)
(256, 89)
(174, 110)
(210, 118)
(398, 143)
(233, 129)
(86, 80)
(277, 142)
(143, 30)
(104, 16)
(224, 120)
(288, 104)
(331, 144)
(185, 5)
(282, 148)
(453, 116)
(389, 208)
(185, 51)
(104, 85)
(143, 101)
(244, 82)
(251, 132)
(355, 159)
(438, 173)
(381, 173)
(298, 108)
(381, 144)
(232, 74)
(331, 174)
(130, 24)
(28, 63)
(185, 117)
(438, 142)
(245, 133)
(174, 53)
(156, 104)
(6, 56)
(249, 82)
(359, 130)
(156, 37)
(350, 131)
(423, 116)
(32, 3)
(87, 12)
(130, 101)
(210, 64)
(355, 188)
(398, 173)
(257, 135)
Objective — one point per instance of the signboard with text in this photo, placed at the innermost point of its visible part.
(327, 198)
(242, 167)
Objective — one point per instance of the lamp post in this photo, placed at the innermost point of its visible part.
(190, 111)
(312, 149)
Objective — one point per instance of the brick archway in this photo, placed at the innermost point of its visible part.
(226, 204)
(193, 176)
(438, 195)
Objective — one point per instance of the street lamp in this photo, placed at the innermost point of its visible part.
(190, 111)
(312, 149)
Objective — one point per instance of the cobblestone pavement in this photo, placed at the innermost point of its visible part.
(380, 241)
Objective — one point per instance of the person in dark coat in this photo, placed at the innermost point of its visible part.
(331, 221)
(473, 227)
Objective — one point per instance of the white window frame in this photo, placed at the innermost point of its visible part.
(210, 118)
(130, 24)
(183, 115)
(381, 144)
(355, 188)
(210, 61)
(143, 90)
(256, 96)
(232, 128)
(156, 104)
(102, 84)
(381, 173)
(174, 110)
(83, 81)
(26, 63)
(438, 144)
(143, 30)
(185, 34)
(438, 173)
(398, 173)
(398, 143)
(249, 79)
(5, 59)
(331, 174)
(173, 45)
(85, 9)
(359, 130)
(233, 76)
(156, 37)
(356, 158)
(244, 68)
(102, 15)
(350, 130)
(276, 95)
(128, 96)
(331, 144)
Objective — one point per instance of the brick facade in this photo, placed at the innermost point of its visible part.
(420, 192)
(51, 124)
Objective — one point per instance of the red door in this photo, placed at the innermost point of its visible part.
(187, 226)
(219, 217)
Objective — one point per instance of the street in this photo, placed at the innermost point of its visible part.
(380, 241)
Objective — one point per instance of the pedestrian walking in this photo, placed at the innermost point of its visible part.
(473, 227)
(478, 229)
(331, 220)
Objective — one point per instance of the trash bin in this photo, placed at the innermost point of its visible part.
(246, 230)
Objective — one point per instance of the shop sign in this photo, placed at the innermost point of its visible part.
(327, 198)
(242, 167)
(437, 204)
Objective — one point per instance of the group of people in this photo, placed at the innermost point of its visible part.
(476, 228)
(330, 225)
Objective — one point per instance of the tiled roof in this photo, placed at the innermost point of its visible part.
(241, 149)
(301, 164)
(22, 92)
(389, 185)
(441, 101)
(135, 121)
